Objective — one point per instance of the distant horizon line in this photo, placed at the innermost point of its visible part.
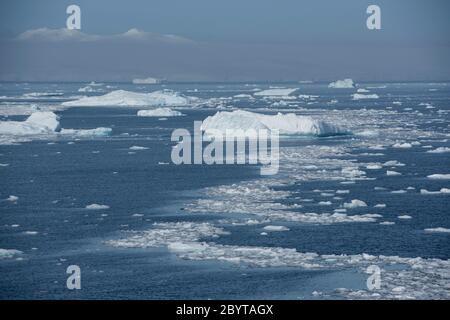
(225, 81)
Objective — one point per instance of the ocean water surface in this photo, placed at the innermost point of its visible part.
(140, 227)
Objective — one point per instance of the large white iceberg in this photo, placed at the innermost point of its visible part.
(342, 84)
(286, 124)
(45, 123)
(159, 112)
(129, 98)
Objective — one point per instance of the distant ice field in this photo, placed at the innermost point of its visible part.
(141, 227)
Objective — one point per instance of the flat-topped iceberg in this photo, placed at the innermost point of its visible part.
(129, 98)
(342, 84)
(159, 112)
(359, 96)
(276, 92)
(286, 124)
(148, 80)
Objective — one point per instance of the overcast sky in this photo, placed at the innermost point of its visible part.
(224, 40)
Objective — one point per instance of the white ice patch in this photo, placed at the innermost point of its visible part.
(288, 124)
(129, 98)
(342, 84)
(279, 92)
(159, 112)
(439, 176)
(9, 253)
(437, 230)
(439, 150)
(43, 124)
(420, 278)
(355, 203)
(95, 206)
(359, 96)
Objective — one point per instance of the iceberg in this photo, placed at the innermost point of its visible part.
(359, 96)
(439, 176)
(148, 80)
(342, 84)
(287, 124)
(159, 112)
(279, 92)
(123, 98)
(37, 123)
(45, 123)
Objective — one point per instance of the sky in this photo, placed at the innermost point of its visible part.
(232, 40)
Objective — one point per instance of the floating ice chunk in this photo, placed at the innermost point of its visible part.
(405, 216)
(138, 148)
(439, 230)
(393, 173)
(239, 120)
(148, 80)
(342, 84)
(9, 253)
(355, 203)
(387, 223)
(325, 203)
(380, 205)
(402, 145)
(398, 191)
(439, 176)
(129, 98)
(159, 112)
(276, 228)
(359, 96)
(373, 166)
(362, 90)
(393, 163)
(12, 198)
(31, 233)
(276, 92)
(37, 123)
(95, 206)
(439, 150)
(97, 132)
(442, 191)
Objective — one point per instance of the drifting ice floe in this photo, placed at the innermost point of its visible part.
(128, 98)
(358, 96)
(159, 112)
(275, 92)
(439, 176)
(96, 206)
(342, 84)
(420, 278)
(9, 253)
(286, 124)
(44, 124)
(439, 150)
(439, 229)
(148, 80)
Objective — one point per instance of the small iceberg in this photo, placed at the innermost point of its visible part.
(342, 84)
(159, 112)
(45, 123)
(359, 96)
(148, 80)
